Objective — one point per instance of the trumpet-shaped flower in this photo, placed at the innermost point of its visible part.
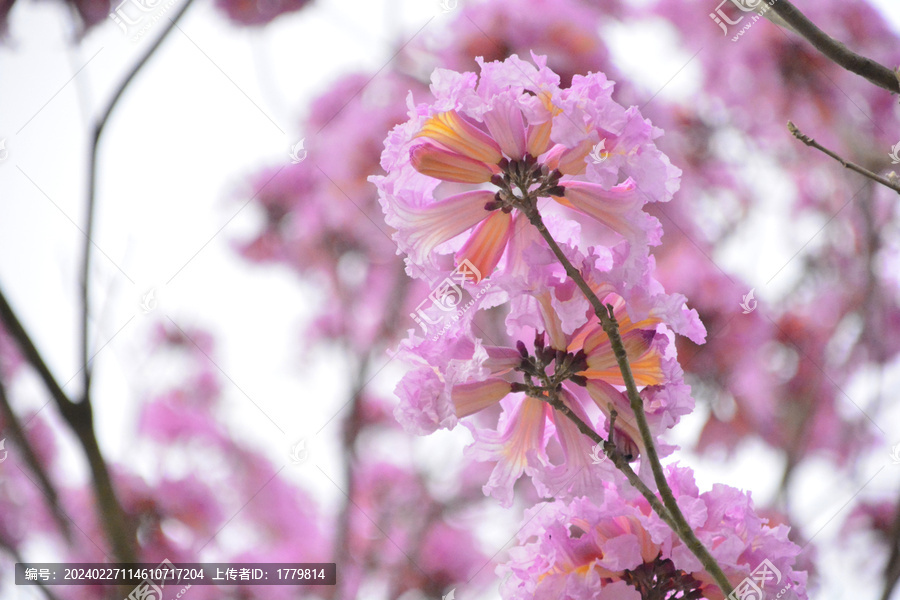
(466, 168)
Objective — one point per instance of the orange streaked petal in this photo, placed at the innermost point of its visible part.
(646, 365)
(434, 224)
(458, 134)
(571, 161)
(538, 138)
(469, 398)
(487, 243)
(610, 207)
(431, 160)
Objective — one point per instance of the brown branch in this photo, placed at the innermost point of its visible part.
(80, 418)
(93, 163)
(892, 567)
(31, 459)
(607, 320)
(894, 185)
(835, 50)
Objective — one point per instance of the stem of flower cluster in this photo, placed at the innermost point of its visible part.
(676, 519)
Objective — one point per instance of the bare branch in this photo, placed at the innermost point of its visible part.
(835, 50)
(894, 185)
(31, 459)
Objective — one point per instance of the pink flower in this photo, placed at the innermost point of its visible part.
(461, 170)
(554, 334)
(611, 548)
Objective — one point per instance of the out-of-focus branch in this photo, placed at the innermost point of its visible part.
(835, 50)
(892, 568)
(31, 459)
(80, 418)
(92, 190)
(30, 352)
(353, 423)
(5, 545)
(894, 185)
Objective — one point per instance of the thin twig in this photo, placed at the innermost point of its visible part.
(92, 190)
(835, 50)
(894, 185)
(31, 459)
(607, 320)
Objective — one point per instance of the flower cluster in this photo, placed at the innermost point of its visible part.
(623, 549)
(498, 174)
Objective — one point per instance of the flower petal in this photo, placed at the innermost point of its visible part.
(432, 160)
(458, 134)
(429, 226)
(506, 125)
(469, 398)
(487, 244)
(614, 207)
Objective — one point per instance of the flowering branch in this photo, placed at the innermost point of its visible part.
(835, 50)
(612, 452)
(608, 321)
(890, 183)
